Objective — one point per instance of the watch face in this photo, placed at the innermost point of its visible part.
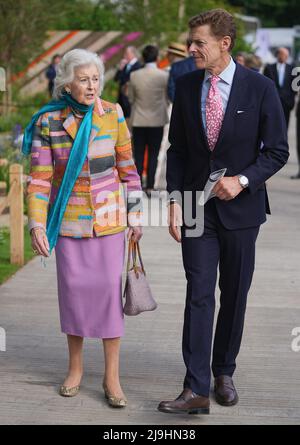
(243, 181)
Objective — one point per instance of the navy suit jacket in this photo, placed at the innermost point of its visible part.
(123, 76)
(286, 93)
(179, 69)
(252, 143)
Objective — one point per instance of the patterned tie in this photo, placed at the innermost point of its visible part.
(214, 112)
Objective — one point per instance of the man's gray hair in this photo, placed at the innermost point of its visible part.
(134, 51)
(66, 69)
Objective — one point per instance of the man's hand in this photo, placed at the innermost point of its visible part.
(175, 221)
(122, 64)
(125, 88)
(228, 188)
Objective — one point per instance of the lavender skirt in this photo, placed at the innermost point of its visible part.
(89, 279)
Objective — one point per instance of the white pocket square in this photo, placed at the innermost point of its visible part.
(240, 111)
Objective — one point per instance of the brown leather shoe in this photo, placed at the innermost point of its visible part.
(188, 402)
(225, 391)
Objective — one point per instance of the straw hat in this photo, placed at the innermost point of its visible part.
(178, 49)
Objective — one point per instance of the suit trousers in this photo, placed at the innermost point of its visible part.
(151, 137)
(287, 113)
(234, 252)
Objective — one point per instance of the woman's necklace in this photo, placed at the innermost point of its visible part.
(77, 114)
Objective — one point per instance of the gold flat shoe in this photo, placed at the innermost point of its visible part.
(69, 392)
(115, 402)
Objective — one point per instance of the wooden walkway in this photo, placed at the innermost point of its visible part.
(267, 376)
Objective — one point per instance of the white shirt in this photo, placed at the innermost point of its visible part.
(224, 85)
(281, 73)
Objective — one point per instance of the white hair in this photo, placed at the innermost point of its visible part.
(134, 51)
(66, 69)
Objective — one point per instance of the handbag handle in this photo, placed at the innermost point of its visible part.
(133, 251)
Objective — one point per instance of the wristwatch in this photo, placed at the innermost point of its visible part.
(243, 180)
(172, 201)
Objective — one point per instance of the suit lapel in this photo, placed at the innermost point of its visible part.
(287, 75)
(196, 99)
(275, 74)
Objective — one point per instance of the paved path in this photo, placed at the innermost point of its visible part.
(267, 377)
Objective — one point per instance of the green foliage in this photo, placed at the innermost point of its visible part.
(85, 14)
(23, 110)
(161, 20)
(272, 13)
(13, 155)
(7, 269)
(4, 175)
(110, 91)
(23, 25)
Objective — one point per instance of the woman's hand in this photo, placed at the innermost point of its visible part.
(39, 241)
(135, 233)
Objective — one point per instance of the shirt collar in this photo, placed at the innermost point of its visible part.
(132, 62)
(151, 65)
(226, 75)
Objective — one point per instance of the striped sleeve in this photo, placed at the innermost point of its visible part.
(41, 173)
(128, 172)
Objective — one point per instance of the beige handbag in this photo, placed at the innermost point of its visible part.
(137, 292)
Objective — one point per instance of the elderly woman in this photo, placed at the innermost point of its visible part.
(82, 166)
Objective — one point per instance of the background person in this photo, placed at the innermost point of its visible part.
(281, 73)
(51, 72)
(179, 69)
(148, 96)
(128, 64)
(253, 62)
(240, 58)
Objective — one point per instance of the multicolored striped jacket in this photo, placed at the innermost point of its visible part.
(107, 194)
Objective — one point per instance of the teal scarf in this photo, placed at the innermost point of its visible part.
(75, 162)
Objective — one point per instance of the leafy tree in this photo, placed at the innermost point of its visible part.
(273, 13)
(24, 24)
(161, 20)
(87, 15)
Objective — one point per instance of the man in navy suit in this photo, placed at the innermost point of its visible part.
(179, 69)
(128, 64)
(281, 74)
(224, 115)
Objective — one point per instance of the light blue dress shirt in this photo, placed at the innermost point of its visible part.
(281, 73)
(224, 86)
